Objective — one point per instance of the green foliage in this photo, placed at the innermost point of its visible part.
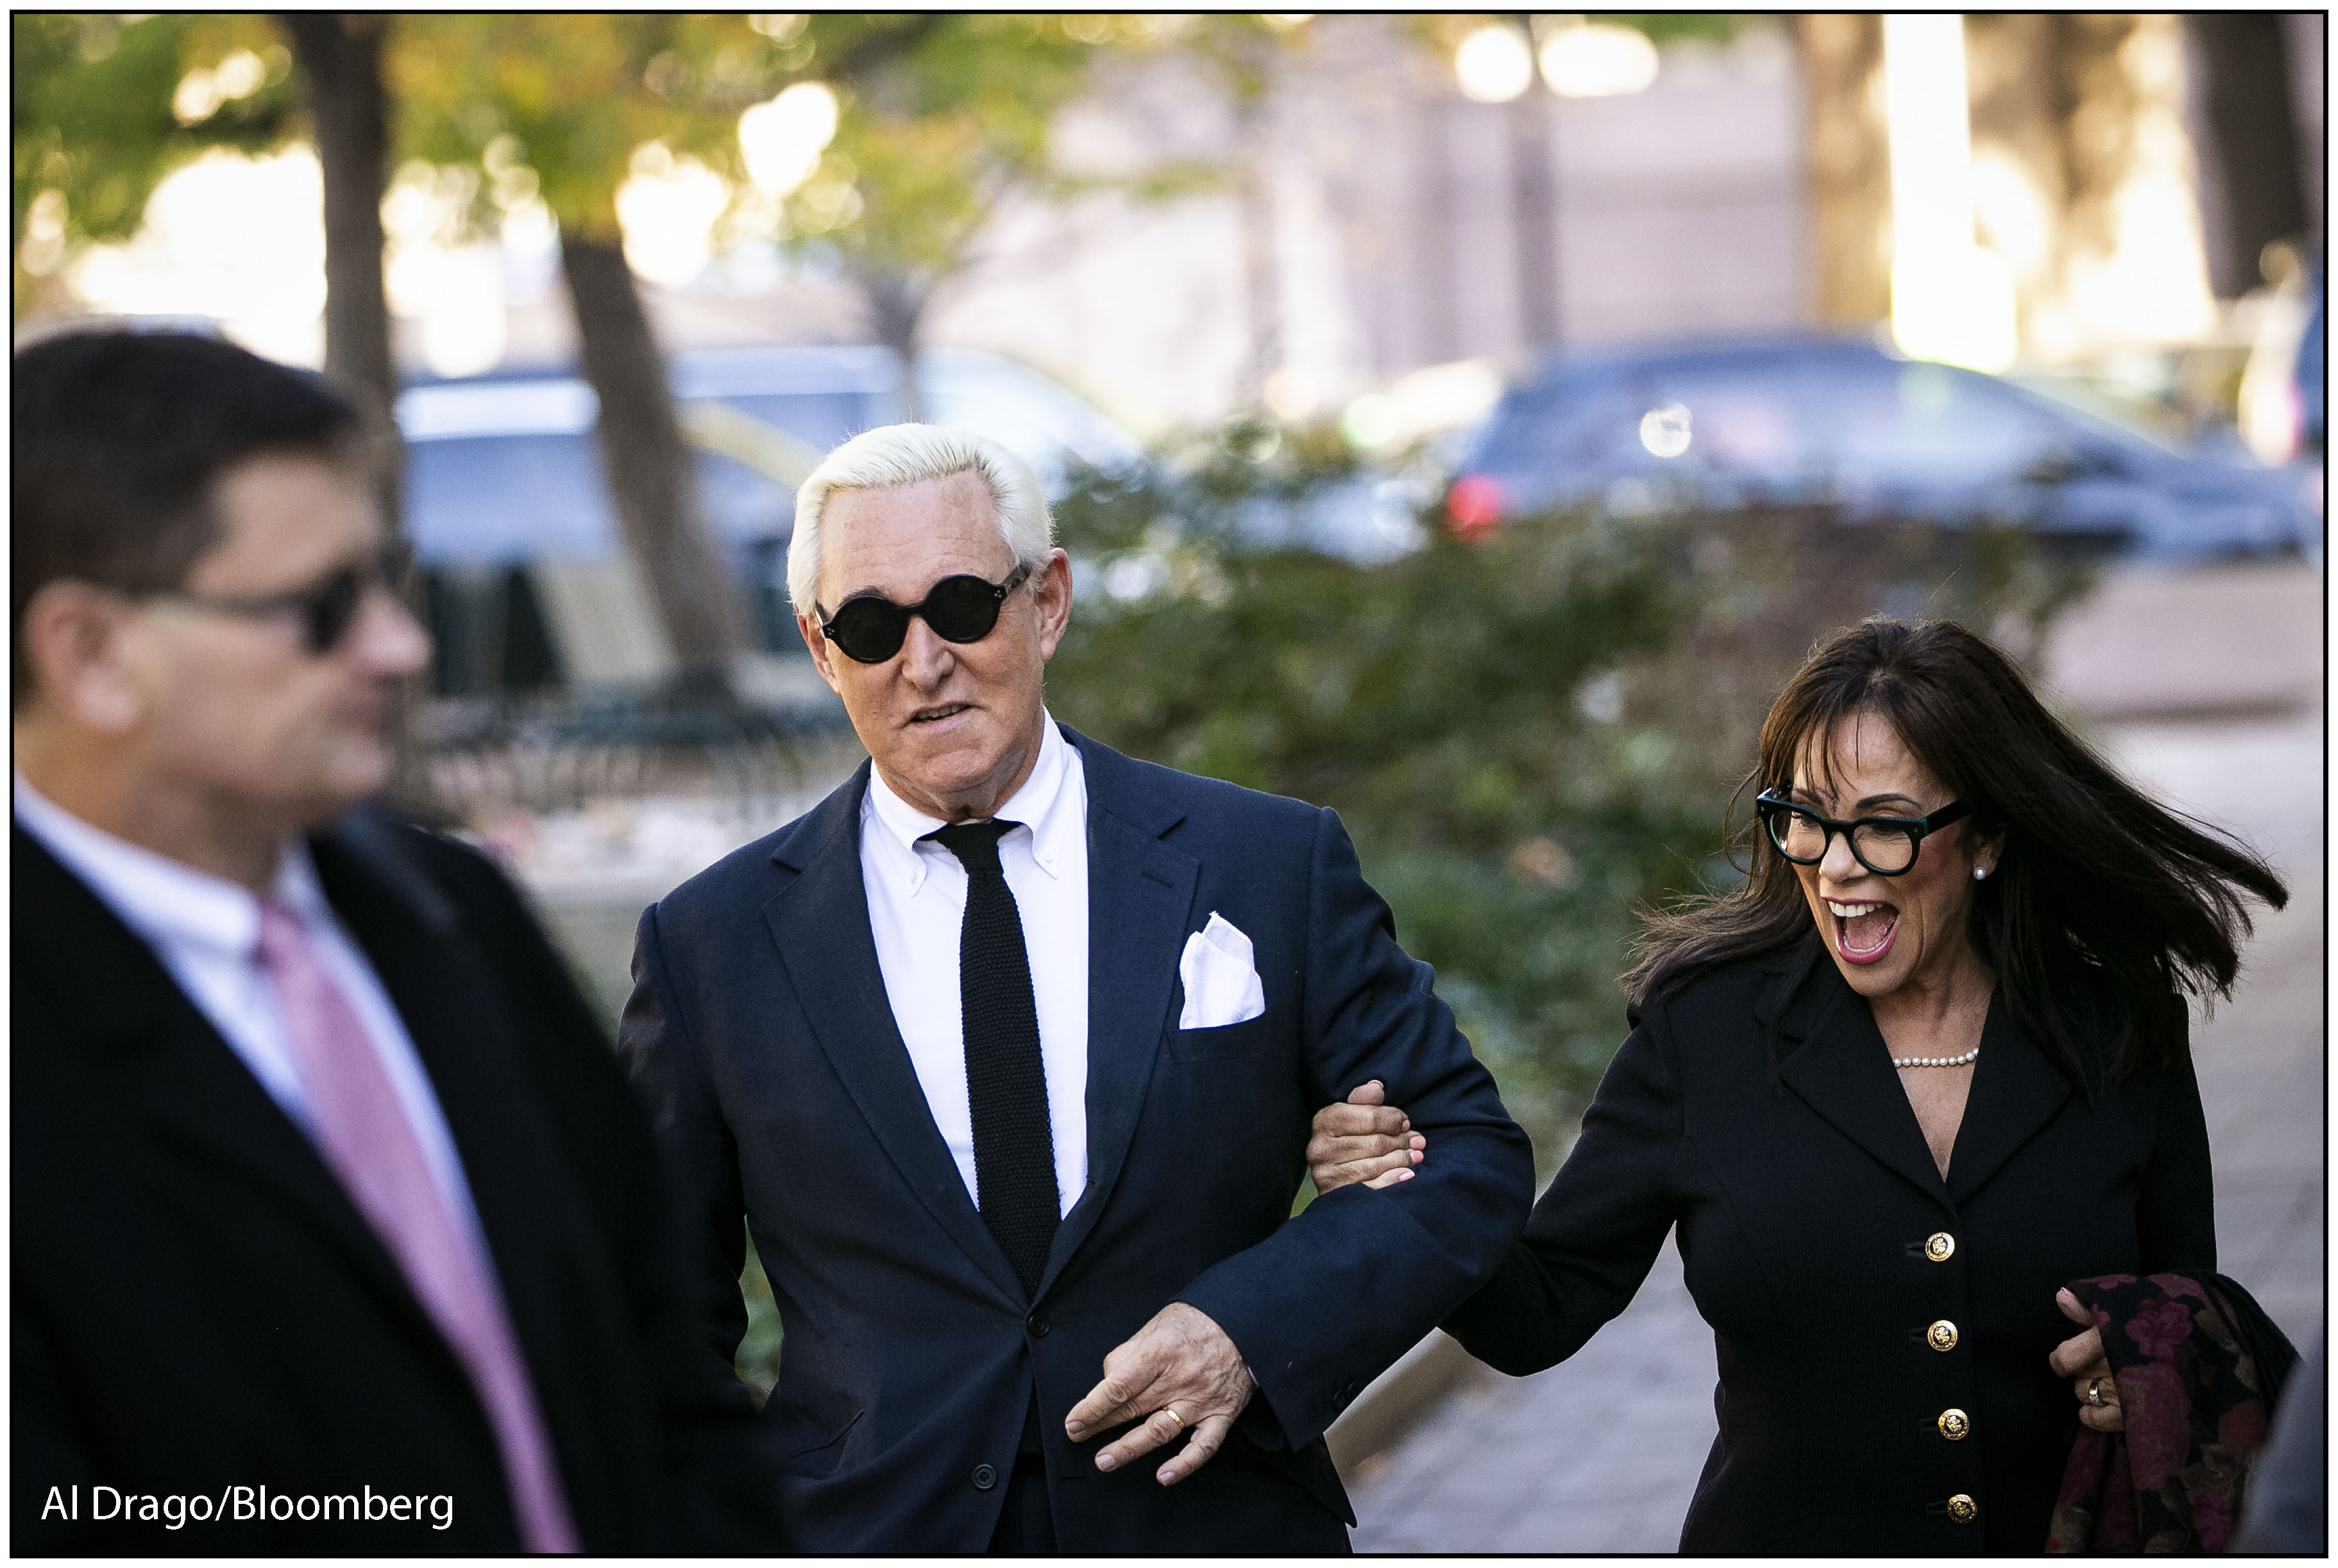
(1677, 26)
(947, 115)
(1530, 736)
(91, 120)
(938, 112)
(1431, 700)
(556, 104)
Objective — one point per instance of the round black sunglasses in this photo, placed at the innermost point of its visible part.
(870, 627)
(1886, 846)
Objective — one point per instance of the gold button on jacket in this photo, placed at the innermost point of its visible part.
(1941, 1336)
(1954, 1425)
(1963, 1509)
(1940, 1247)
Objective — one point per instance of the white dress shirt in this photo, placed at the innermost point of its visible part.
(206, 931)
(916, 904)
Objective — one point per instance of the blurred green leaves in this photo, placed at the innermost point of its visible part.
(1529, 736)
(102, 107)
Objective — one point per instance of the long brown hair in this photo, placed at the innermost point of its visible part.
(2106, 909)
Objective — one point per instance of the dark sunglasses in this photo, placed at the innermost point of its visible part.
(326, 609)
(871, 628)
(1886, 846)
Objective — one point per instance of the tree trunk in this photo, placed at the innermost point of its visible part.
(2251, 192)
(897, 310)
(339, 58)
(652, 479)
(1849, 167)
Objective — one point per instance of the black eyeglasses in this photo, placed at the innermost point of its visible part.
(324, 609)
(1886, 846)
(871, 628)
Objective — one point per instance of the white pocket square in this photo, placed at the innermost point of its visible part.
(1222, 983)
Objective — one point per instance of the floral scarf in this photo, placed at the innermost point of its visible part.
(2197, 1364)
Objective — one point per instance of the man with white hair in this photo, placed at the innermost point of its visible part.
(1005, 1054)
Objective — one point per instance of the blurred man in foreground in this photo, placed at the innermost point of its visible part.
(1005, 1051)
(334, 1226)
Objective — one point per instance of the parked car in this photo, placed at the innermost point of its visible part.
(1796, 420)
(524, 580)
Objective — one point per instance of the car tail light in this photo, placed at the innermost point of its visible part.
(1474, 505)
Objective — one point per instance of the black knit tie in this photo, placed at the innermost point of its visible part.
(1005, 1081)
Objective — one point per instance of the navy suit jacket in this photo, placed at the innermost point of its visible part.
(760, 1030)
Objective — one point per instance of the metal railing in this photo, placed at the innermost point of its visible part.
(481, 757)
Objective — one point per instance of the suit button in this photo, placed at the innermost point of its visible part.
(1954, 1425)
(1963, 1509)
(1038, 1325)
(1940, 1247)
(1941, 1336)
(985, 1478)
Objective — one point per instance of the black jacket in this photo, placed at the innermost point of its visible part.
(1805, 1200)
(197, 1306)
(759, 1027)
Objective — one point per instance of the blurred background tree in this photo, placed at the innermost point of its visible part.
(102, 107)
(897, 136)
(106, 106)
(938, 119)
(340, 59)
(522, 107)
(932, 121)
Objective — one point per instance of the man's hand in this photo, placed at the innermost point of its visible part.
(2082, 1361)
(1363, 1140)
(1179, 1373)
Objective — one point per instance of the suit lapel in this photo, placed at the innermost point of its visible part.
(820, 921)
(1140, 899)
(189, 1087)
(1842, 1070)
(2015, 1092)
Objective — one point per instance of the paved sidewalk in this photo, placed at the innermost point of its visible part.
(1601, 1455)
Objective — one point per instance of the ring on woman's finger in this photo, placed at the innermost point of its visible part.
(1171, 1411)
(2095, 1391)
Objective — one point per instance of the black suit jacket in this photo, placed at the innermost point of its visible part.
(760, 1029)
(1805, 1199)
(197, 1306)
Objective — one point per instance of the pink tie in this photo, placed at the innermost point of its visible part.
(365, 1137)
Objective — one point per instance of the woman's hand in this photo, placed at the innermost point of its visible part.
(2081, 1360)
(1362, 1140)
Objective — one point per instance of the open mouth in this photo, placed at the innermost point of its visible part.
(1863, 932)
(939, 714)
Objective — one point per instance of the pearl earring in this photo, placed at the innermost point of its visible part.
(1980, 873)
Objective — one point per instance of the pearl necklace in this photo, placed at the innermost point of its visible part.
(1935, 1060)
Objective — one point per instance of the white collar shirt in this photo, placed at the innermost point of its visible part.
(917, 905)
(205, 930)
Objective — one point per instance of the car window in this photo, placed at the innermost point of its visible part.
(1947, 423)
(1783, 418)
(820, 419)
(743, 503)
(487, 498)
(1857, 419)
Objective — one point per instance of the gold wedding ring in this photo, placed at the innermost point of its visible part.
(1171, 1411)
(2095, 1391)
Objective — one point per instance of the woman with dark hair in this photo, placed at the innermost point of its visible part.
(1926, 1065)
